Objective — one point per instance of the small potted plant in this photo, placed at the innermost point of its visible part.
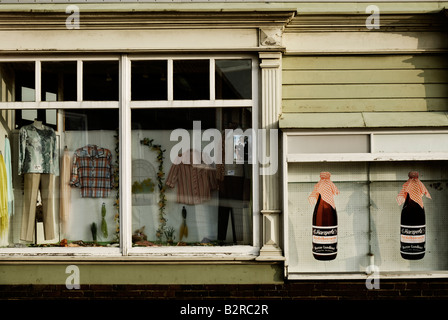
(169, 234)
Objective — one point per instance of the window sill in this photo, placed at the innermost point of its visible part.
(114, 254)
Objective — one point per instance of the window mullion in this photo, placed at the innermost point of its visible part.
(212, 79)
(79, 80)
(37, 80)
(170, 80)
(125, 156)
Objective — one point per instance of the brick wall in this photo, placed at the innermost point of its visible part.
(432, 289)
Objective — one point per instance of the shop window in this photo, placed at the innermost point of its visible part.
(233, 79)
(191, 79)
(65, 181)
(183, 190)
(58, 81)
(17, 81)
(149, 80)
(368, 216)
(100, 81)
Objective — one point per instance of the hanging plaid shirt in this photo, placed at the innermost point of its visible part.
(92, 171)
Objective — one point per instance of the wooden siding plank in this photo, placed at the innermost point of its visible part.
(364, 91)
(362, 62)
(359, 105)
(415, 76)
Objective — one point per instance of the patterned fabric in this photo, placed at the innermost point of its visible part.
(415, 188)
(8, 164)
(4, 221)
(326, 188)
(92, 171)
(194, 182)
(38, 152)
(65, 192)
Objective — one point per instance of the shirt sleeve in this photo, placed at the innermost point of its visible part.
(172, 177)
(74, 177)
(22, 146)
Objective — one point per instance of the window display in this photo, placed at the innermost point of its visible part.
(413, 226)
(64, 182)
(371, 227)
(189, 185)
(325, 218)
(189, 198)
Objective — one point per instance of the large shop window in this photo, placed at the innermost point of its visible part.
(183, 189)
(369, 174)
(60, 132)
(61, 179)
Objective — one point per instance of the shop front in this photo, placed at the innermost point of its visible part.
(137, 145)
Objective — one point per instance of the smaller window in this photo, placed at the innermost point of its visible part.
(191, 79)
(58, 81)
(233, 79)
(149, 80)
(17, 81)
(100, 81)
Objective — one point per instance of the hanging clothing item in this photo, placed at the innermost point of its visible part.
(326, 188)
(194, 181)
(32, 181)
(8, 164)
(4, 219)
(415, 188)
(65, 191)
(92, 171)
(38, 152)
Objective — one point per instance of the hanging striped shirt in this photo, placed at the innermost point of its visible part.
(194, 182)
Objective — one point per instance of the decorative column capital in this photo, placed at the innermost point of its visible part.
(270, 37)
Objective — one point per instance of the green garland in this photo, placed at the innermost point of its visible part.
(160, 177)
(116, 187)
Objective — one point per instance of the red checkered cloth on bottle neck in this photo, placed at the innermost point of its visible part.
(415, 188)
(326, 188)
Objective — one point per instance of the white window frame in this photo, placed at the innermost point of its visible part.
(125, 251)
(370, 156)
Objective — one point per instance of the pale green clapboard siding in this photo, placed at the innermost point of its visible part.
(365, 83)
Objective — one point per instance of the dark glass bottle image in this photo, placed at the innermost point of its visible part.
(325, 219)
(413, 220)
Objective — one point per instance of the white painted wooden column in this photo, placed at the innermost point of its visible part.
(270, 111)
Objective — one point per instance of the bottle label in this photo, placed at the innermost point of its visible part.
(412, 238)
(325, 240)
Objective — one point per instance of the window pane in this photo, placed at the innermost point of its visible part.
(17, 81)
(233, 79)
(58, 81)
(368, 214)
(177, 198)
(100, 80)
(64, 182)
(48, 117)
(149, 80)
(191, 79)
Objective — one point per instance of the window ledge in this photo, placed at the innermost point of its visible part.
(230, 253)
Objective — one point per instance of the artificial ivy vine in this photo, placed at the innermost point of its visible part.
(160, 184)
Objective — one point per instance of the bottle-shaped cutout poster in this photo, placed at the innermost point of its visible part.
(412, 223)
(325, 219)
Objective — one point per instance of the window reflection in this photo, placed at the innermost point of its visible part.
(17, 81)
(233, 79)
(58, 81)
(100, 80)
(191, 79)
(149, 80)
